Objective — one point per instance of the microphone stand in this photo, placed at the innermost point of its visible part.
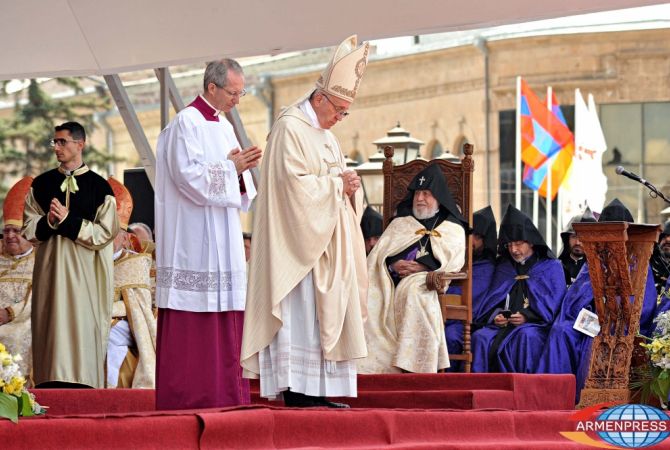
(654, 192)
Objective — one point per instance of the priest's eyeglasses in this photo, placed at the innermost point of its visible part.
(242, 93)
(339, 110)
(61, 142)
(515, 244)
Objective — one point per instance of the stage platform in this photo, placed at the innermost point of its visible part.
(406, 411)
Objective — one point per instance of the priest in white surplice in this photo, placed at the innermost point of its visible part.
(202, 182)
(307, 282)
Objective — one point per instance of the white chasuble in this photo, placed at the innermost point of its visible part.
(16, 280)
(134, 324)
(308, 262)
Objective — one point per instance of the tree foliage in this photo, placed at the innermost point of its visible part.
(25, 136)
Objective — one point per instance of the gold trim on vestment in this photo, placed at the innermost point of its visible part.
(424, 232)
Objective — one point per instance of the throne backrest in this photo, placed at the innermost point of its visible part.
(457, 174)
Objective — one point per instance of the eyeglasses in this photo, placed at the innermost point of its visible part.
(339, 110)
(515, 244)
(242, 93)
(8, 231)
(61, 142)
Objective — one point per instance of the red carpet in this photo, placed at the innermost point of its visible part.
(421, 418)
(266, 428)
(422, 391)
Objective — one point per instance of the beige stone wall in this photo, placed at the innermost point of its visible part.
(439, 95)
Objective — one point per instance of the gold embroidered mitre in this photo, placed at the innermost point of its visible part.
(124, 201)
(15, 202)
(343, 74)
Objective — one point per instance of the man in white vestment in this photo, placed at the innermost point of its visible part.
(405, 328)
(307, 283)
(16, 279)
(202, 183)
(131, 350)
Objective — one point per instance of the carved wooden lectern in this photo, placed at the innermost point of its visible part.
(618, 257)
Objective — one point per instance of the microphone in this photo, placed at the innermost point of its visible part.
(621, 171)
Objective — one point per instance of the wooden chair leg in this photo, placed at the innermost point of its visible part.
(466, 347)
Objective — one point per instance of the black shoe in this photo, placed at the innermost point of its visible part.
(327, 403)
(298, 400)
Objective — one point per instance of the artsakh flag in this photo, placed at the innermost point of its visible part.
(559, 158)
(543, 134)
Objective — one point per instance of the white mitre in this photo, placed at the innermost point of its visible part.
(343, 73)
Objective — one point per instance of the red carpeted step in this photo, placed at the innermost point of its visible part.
(466, 399)
(367, 429)
(95, 401)
(261, 428)
(530, 392)
(426, 391)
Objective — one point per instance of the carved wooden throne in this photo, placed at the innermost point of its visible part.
(618, 257)
(459, 180)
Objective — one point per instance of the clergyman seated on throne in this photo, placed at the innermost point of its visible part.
(405, 328)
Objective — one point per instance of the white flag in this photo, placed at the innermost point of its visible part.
(585, 183)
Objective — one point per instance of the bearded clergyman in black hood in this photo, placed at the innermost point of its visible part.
(405, 329)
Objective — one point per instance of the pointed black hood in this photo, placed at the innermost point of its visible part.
(666, 230)
(615, 211)
(516, 226)
(485, 226)
(432, 179)
(586, 216)
(371, 223)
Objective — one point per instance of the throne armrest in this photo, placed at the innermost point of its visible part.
(437, 281)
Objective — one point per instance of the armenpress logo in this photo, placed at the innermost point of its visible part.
(620, 426)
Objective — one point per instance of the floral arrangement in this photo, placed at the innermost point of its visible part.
(655, 378)
(15, 400)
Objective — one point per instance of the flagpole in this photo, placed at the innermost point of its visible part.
(536, 206)
(548, 239)
(517, 168)
(559, 219)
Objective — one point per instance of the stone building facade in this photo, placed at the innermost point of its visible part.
(439, 91)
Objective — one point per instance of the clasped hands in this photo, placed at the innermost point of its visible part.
(404, 268)
(57, 212)
(245, 159)
(515, 319)
(351, 182)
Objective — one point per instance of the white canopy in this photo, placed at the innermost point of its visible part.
(86, 37)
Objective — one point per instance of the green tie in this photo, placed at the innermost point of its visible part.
(69, 184)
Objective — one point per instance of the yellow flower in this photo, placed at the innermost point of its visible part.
(2, 348)
(656, 345)
(15, 386)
